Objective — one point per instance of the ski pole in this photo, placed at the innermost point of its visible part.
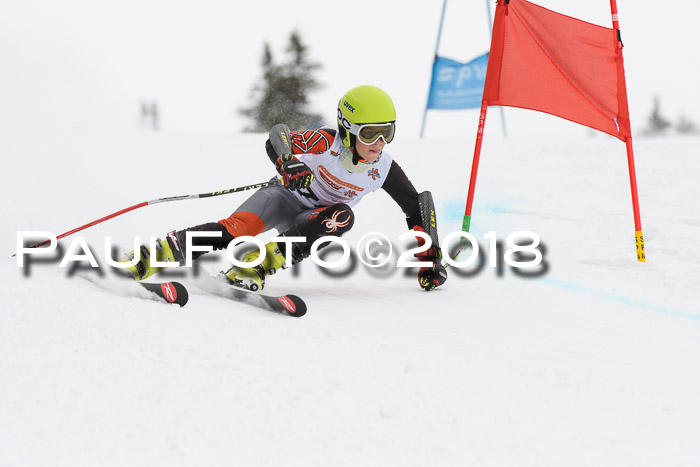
(276, 181)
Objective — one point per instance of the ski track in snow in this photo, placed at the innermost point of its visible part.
(595, 363)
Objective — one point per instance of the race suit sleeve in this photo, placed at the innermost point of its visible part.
(314, 141)
(404, 194)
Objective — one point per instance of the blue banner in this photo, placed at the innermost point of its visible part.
(457, 85)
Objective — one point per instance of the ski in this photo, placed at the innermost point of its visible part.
(168, 292)
(289, 305)
(171, 292)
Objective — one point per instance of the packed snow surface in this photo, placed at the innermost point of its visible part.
(594, 360)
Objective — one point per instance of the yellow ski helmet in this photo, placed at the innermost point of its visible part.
(365, 105)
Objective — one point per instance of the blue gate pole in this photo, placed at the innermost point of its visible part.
(437, 46)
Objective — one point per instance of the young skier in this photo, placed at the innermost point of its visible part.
(323, 173)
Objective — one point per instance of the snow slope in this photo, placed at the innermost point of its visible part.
(594, 362)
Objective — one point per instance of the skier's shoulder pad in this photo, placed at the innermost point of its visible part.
(313, 141)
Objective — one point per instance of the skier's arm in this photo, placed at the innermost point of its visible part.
(404, 193)
(314, 141)
(295, 173)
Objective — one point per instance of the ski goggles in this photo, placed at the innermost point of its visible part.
(369, 133)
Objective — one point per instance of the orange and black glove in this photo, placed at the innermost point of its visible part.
(295, 173)
(433, 276)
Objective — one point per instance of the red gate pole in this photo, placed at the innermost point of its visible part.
(475, 167)
(639, 236)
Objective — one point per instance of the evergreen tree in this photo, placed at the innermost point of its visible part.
(685, 126)
(656, 124)
(281, 95)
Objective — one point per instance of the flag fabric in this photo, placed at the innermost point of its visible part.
(549, 62)
(456, 85)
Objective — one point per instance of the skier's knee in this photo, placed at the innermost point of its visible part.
(336, 219)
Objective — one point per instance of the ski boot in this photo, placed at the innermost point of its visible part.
(167, 250)
(254, 278)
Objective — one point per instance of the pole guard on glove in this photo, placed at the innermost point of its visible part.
(432, 276)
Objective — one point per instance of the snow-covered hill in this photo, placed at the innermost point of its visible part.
(596, 361)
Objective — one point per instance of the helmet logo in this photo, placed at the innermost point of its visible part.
(342, 120)
(348, 106)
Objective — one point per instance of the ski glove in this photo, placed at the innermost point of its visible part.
(435, 276)
(295, 174)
